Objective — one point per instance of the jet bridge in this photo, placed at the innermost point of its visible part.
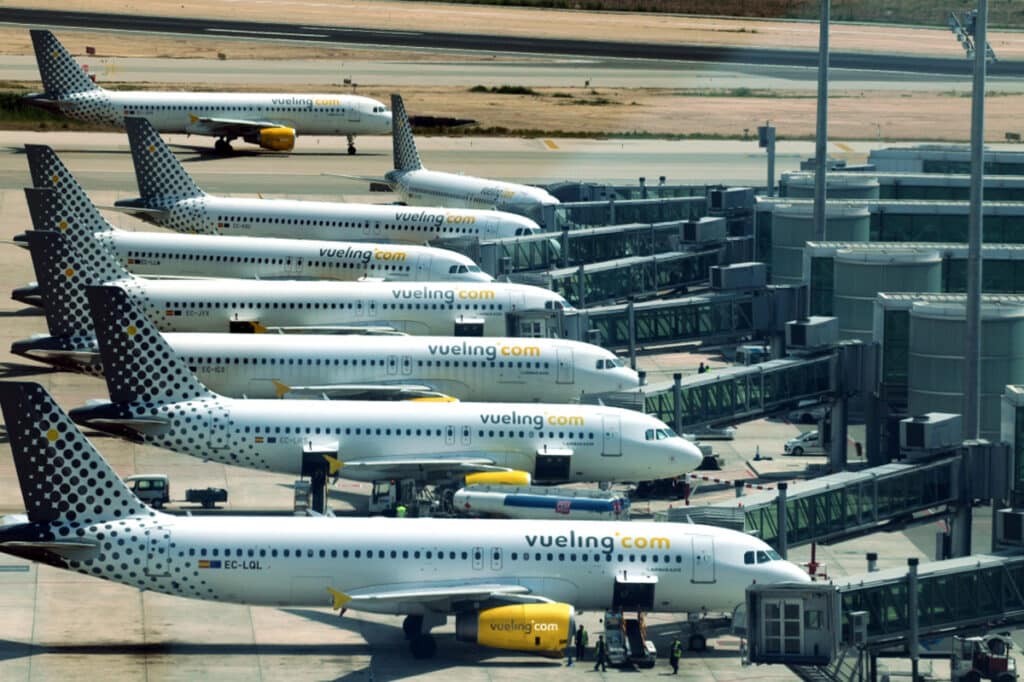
(734, 394)
(611, 281)
(713, 317)
(549, 250)
(855, 503)
(835, 631)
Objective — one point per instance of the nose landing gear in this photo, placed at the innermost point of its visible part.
(351, 144)
(222, 146)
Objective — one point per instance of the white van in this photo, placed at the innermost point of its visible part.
(806, 443)
(153, 489)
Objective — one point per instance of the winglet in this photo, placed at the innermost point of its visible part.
(333, 465)
(340, 598)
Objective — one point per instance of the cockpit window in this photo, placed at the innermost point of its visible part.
(748, 557)
(762, 557)
(474, 268)
(658, 434)
(774, 555)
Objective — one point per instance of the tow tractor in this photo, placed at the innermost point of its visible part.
(983, 658)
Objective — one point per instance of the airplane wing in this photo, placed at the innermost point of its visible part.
(438, 595)
(403, 467)
(361, 392)
(228, 127)
(338, 329)
(363, 178)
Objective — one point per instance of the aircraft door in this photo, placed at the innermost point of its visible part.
(392, 365)
(158, 554)
(449, 435)
(423, 267)
(354, 114)
(478, 558)
(612, 445)
(220, 423)
(495, 558)
(703, 559)
(565, 366)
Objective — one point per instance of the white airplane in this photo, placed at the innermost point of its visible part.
(161, 254)
(480, 370)
(421, 187)
(170, 198)
(155, 398)
(221, 305)
(271, 121)
(157, 254)
(499, 369)
(510, 584)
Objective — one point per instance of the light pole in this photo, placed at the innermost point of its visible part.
(821, 136)
(972, 35)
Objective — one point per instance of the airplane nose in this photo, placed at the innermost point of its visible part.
(690, 456)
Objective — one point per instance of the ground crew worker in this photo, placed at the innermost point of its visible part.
(675, 653)
(702, 368)
(400, 511)
(581, 642)
(601, 654)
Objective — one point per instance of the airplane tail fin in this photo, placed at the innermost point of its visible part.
(158, 172)
(48, 171)
(138, 363)
(60, 73)
(61, 271)
(402, 141)
(63, 478)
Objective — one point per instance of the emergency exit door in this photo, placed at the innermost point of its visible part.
(703, 559)
(565, 366)
(612, 435)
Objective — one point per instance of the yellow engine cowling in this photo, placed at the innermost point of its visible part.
(280, 139)
(542, 629)
(498, 478)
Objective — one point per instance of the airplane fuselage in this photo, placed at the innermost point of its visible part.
(176, 112)
(422, 187)
(170, 255)
(331, 221)
(427, 308)
(289, 561)
(555, 443)
(500, 369)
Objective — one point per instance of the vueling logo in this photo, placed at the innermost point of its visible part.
(488, 351)
(604, 543)
(523, 628)
(292, 101)
(364, 255)
(446, 295)
(534, 421)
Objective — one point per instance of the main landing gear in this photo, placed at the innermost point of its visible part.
(351, 144)
(222, 146)
(417, 630)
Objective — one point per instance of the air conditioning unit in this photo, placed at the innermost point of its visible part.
(857, 629)
(1010, 527)
(751, 275)
(812, 333)
(931, 432)
(730, 199)
(704, 230)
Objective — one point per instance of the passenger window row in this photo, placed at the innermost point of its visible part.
(343, 223)
(256, 260)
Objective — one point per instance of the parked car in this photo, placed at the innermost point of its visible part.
(153, 489)
(807, 443)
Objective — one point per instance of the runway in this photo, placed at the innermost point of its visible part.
(497, 43)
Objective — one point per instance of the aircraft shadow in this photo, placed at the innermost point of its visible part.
(14, 370)
(208, 153)
(10, 650)
(28, 311)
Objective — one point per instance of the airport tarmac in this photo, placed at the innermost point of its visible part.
(59, 625)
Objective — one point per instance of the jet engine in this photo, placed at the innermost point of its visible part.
(543, 629)
(279, 139)
(498, 478)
